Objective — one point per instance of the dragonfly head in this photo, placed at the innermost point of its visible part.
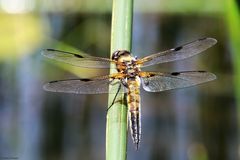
(121, 54)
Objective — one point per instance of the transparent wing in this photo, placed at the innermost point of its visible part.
(166, 81)
(85, 86)
(178, 53)
(80, 60)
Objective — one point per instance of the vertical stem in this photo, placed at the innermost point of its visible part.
(121, 37)
(233, 21)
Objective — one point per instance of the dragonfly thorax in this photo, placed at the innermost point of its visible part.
(132, 69)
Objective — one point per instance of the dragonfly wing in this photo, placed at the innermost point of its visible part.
(85, 86)
(166, 81)
(80, 60)
(178, 53)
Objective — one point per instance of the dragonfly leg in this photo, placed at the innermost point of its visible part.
(114, 98)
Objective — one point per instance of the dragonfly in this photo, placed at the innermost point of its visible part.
(129, 78)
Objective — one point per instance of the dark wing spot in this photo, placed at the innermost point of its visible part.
(50, 49)
(78, 56)
(86, 80)
(175, 73)
(54, 81)
(201, 71)
(178, 48)
(146, 83)
(152, 74)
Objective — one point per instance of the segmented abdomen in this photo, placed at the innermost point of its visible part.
(134, 111)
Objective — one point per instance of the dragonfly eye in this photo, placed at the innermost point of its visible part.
(119, 53)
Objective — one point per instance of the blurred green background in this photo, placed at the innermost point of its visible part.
(197, 123)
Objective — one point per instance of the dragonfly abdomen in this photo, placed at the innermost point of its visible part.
(134, 112)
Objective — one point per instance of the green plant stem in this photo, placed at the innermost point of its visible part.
(121, 37)
(233, 21)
